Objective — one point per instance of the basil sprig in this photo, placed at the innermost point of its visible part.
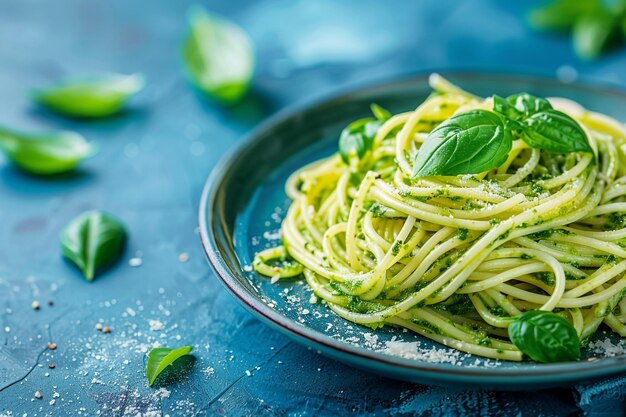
(44, 154)
(218, 56)
(540, 126)
(468, 143)
(479, 140)
(162, 357)
(545, 337)
(90, 98)
(93, 241)
(357, 138)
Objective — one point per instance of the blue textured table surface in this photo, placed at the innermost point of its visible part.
(152, 165)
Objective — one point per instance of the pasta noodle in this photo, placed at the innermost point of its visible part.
(455, 258)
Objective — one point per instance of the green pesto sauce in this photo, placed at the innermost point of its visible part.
(545, 277)
(357, 305)
(483, 341)
(460, 305)
(615, 221)
(498, 311)
(472, 205)
(428, 326)
(352, 285)
(378, 210)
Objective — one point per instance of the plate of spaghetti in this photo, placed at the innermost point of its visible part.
(466, 229)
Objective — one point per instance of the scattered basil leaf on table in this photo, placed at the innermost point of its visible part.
(555, 131)
(592, 33)
(467, 143)
(92, 241)
(357, 138)
(545, 337)
(596, 25)
(162, 357)
(90, 98)
(44, 153)
(218, 56)
(561, 15)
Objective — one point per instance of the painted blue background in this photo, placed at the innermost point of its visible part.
(152, 165)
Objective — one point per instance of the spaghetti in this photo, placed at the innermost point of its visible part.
(456, 258)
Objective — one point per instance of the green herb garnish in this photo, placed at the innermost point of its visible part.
(479, 140)
(554, 131)
(545, 337)
(357, 138)
(467, 143)
(538, 124)
(162, 357)
(90, 98)
(92, 241)
(44, 153)
(218, 56)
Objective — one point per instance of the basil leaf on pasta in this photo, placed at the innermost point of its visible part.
(555, 131)
(545, 337)
(357, 138)
(380, 113)
(527, 104)
(468, 143)
(505, 108)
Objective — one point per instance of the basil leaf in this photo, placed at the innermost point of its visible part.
(44, 154)
(554, 131)
(358, 138)
(592, 34)
(380, 113)
(502, 106)
(90, 98)
(561, 15)
(467, 143)
(93, 241)
(162, 357)
(545, 337)
(218, 56)
(527, 104)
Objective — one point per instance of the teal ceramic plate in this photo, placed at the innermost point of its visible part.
(244, 202)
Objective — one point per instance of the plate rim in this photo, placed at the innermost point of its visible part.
(558, 372)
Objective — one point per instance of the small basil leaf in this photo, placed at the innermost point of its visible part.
(44, 154)
(528, 104)
(357, 138)
(467, 143)
(93, 241)
(545, 337)
(555, 131)
(162, 357)
(505, 108)
(90, 98)
(592, 33)
(218, 56)
(380, 113)
(561, 15)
